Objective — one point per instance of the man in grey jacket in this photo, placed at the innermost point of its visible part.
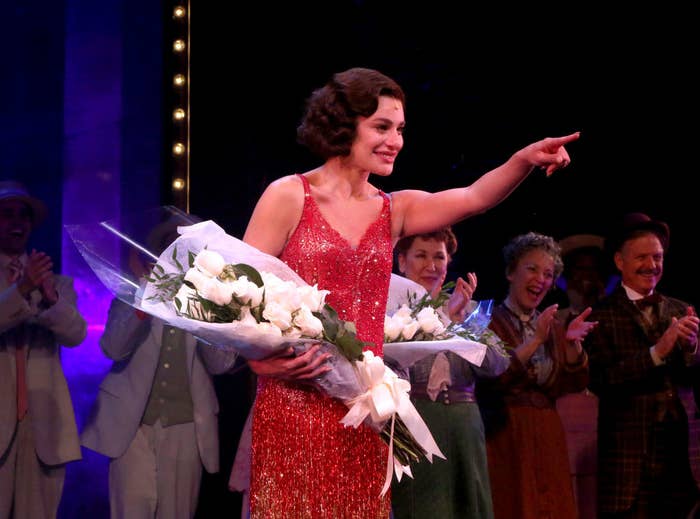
(38, 314)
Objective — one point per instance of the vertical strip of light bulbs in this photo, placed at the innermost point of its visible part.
(181, 112)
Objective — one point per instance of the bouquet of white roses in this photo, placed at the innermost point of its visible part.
(253, 307)
(415, 327)
(259, 307)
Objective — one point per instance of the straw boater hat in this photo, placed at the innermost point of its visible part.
(580, 241)
(12, 190)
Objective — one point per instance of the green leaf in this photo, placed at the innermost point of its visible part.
(251, 273)
(350, 346)
(177, 263)
(331, 324)
(257, 312)
(330, 311)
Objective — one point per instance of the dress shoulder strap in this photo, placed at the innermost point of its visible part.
(387, 197)
(305, 181)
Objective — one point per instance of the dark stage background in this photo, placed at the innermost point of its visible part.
(479, 86)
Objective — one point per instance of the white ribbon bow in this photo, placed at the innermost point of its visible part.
(385, 396)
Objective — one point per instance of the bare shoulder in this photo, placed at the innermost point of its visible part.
(276, 215)
(285, 188)
(404, 198)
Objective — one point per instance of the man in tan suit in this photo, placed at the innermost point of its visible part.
(38, 314)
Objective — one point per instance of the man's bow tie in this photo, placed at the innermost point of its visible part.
(650, 300)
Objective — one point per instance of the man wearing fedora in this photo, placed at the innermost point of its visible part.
(639, 354)
(38, 314)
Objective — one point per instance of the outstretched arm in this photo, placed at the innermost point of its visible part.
(416, 212)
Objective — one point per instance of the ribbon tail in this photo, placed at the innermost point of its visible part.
(400, 470)
(417, 427)
(389, 460)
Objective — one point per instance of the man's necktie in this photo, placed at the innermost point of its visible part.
(14, 272)
(649, 307)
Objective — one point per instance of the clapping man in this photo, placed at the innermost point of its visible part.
(639, 355)
(38, 314)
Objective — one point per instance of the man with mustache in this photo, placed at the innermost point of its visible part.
(639, 355)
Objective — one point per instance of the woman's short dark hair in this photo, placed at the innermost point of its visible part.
(329, 123)
(524, 243)
(443, 235)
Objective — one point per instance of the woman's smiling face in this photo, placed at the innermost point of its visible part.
(379, 138)
(425, 262)
(531, 279)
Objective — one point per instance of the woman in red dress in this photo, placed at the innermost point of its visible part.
(335, 228)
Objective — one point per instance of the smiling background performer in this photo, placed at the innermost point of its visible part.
(38, 315)
(525, 441)
(442, 390)
(640, 355)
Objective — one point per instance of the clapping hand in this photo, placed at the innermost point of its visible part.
(687, 329)
(578, 328)
(38, 273)
(462, 294)
(544, 322)
(683, 331)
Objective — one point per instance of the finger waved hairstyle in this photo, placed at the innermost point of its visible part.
(329, 122)
(524, 243)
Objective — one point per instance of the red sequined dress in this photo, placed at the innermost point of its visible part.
(306, 464)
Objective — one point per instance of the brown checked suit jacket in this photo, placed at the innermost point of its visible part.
(633, 392)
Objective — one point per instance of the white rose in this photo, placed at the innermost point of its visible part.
(309, 325)
(429, 321)
(292, 333)
(217, 291)
(392, 328)
(247, 291)
(284, 293)
(269, 329)
(312, 297)
(278, 315)
(410, 330)
(403, 314)
(197, 278)
(209, 262)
